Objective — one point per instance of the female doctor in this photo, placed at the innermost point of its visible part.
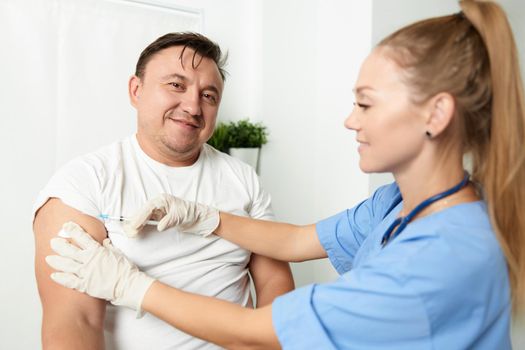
(433, 261)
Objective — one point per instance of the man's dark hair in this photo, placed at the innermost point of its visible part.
(201, 45)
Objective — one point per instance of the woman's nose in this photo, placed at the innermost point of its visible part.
(351, 121)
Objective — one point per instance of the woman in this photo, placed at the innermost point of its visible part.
(434, 260)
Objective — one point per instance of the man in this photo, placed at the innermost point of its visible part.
(176, 90)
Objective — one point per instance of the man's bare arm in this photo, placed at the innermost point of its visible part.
(71, 320)
(270, 277)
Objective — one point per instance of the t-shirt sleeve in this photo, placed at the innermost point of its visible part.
(261, 207)
(75, 184)
(364, 309)
(341, 235)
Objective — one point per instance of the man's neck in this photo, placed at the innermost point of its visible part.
(167, 158)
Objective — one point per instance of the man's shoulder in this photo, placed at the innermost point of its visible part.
(115, 149)
(106, 155)
(93, 166)
(78, 180)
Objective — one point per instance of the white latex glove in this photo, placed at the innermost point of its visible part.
(101, 271)
(171, 211)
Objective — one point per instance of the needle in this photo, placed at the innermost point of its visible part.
(122, 219)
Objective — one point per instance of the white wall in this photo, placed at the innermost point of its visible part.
(516, 12)
(311, 54)
(27, 130)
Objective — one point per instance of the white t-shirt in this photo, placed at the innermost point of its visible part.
(117, 180)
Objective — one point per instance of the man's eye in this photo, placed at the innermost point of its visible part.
(176, 86)
(210, 97)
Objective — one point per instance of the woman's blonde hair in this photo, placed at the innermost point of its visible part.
(472, 55)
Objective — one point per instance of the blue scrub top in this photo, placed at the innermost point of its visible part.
(441, 284)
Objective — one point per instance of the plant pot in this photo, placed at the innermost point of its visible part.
(248, 155)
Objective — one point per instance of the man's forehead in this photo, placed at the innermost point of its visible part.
(173, 53)
(167, 62)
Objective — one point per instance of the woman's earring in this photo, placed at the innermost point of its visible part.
(429, 135)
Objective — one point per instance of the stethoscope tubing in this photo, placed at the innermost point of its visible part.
(390, 233)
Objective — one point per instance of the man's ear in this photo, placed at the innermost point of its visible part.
(134, 90)
(441, 109)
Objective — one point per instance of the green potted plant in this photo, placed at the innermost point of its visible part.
(242, 139)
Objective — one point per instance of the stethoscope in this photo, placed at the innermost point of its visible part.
(390, 233)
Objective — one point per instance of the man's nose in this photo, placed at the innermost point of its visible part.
(191, 103)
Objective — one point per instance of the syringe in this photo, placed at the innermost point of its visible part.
(65, 234)
(122, 219)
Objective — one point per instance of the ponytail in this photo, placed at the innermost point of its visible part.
(501, 170)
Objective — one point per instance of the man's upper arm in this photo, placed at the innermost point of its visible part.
(70, 319)
(271, 278)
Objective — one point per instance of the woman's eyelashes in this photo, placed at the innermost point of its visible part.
(362, 105)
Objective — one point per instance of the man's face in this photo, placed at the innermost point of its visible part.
(176, 104)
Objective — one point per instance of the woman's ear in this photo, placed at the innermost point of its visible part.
(134, 90)
(441, 109)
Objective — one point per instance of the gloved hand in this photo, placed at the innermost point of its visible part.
(171, 211)
(101, 271)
